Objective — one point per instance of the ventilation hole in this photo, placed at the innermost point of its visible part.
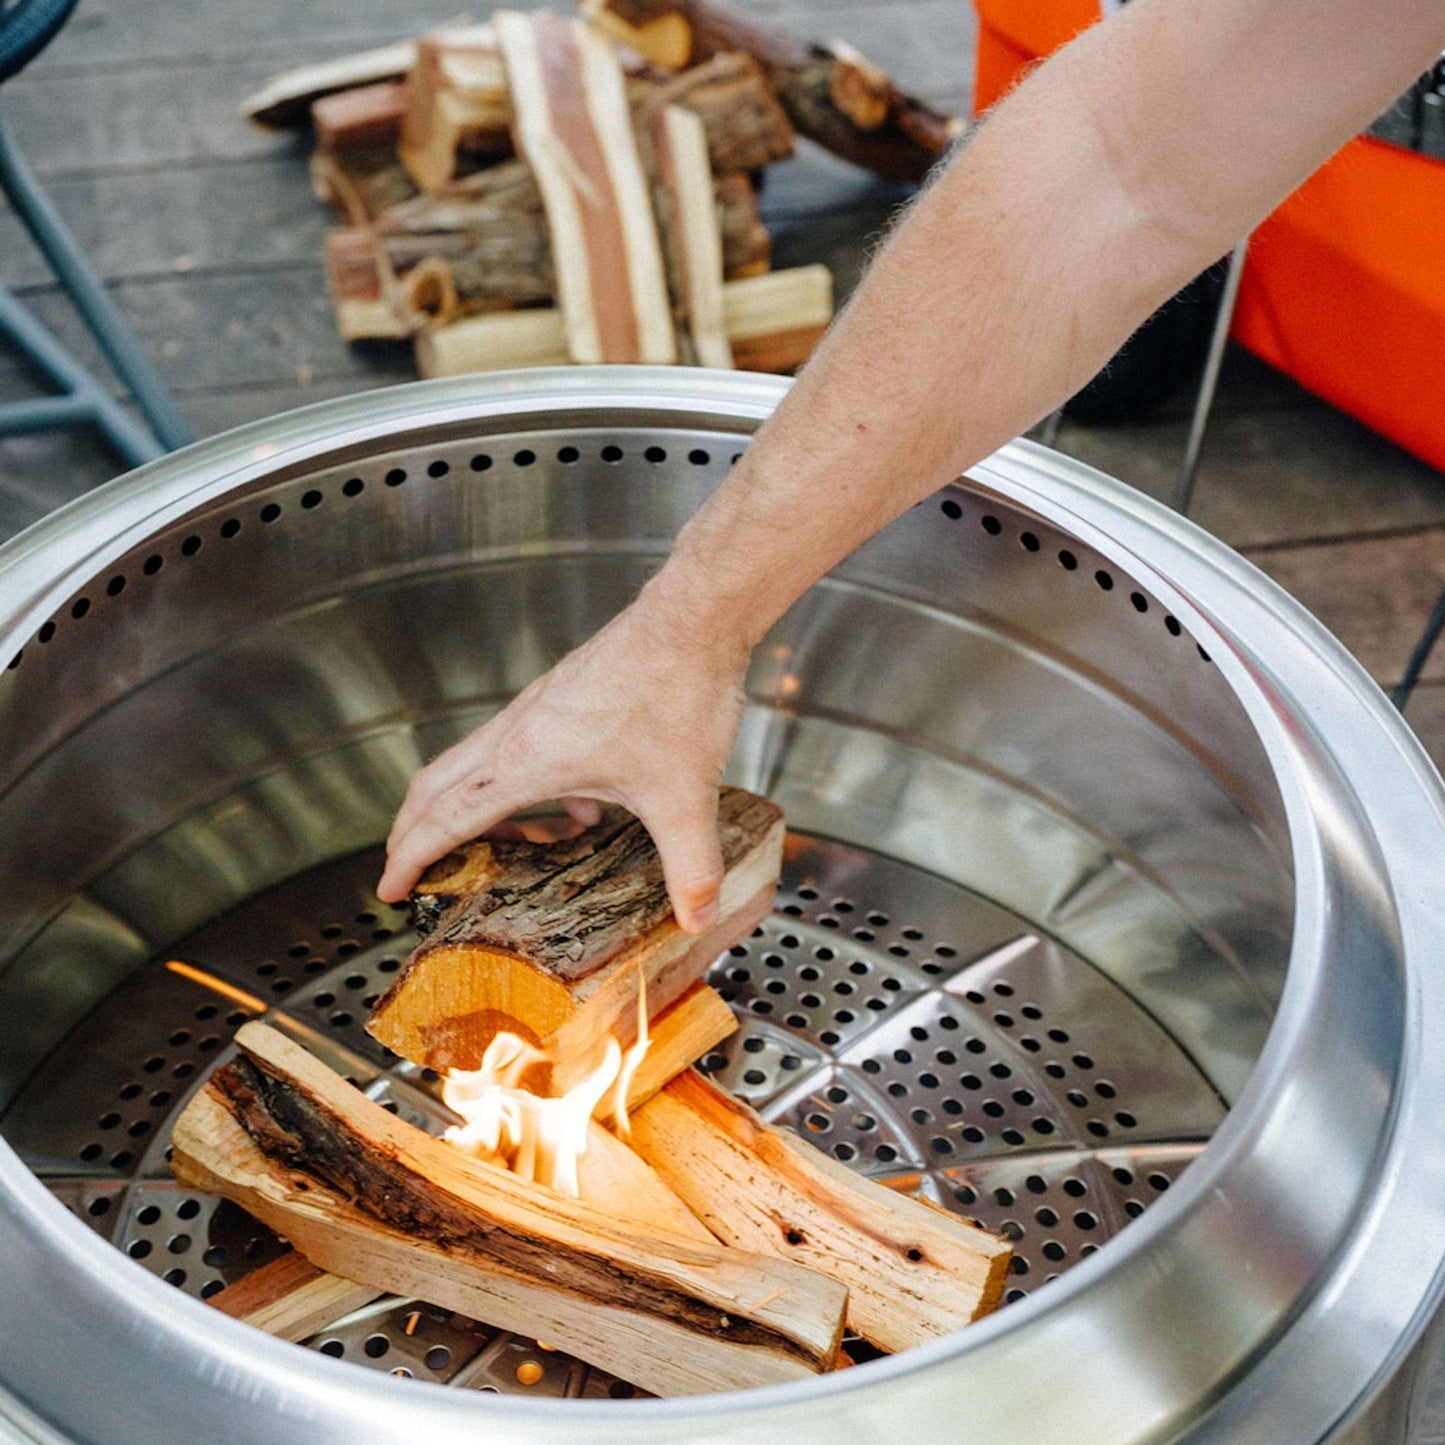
(655, 454)
(951, 509)
(698, 457)
(1105, 580)
(569, 455)
(1098, 1128)
(15, 661)
(334, 1348)
(98, 1207)
(153, 564)
(47, 631)
(524, 458)
(1203, 655)
(1133, 1208)
(311, 499)
(1084, 1220)
(479, 463)
(80, 608)
(190, 546)
(376, 1346)
(437, 469)
(1047, 1217)
(1076, 1188)
(353, 487)
(270, 512)
(1172, 623)
(1053, 1250)
(1068, 561)
(178, 1243)
(991, 525)
(611, 454)
(438, 1358)
(1028, 542)
(1139, 602)
(139, 1248)
(845, 1152)
(974, 1135)
(1159, 1182)
(396, 476)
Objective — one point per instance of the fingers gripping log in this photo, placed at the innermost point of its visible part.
(555, 941)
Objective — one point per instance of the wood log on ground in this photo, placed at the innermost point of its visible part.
(285, 101)
(684, 197)
(573, 125)
(913, 1272)
(364, 293)
(291, 1298)
(459, 107)
(746, 127)
(366, 1196)
(360, 184)
(555, 942)
(773, 322)
(831, 94)
(370, 115)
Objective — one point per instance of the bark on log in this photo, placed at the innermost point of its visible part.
(366, 1196)
(831, 94)
(459, 108)
(573, 125)
(285, 101)
(360, 184)
(746, 127)
(554, 942)
(773, 322)
(913, 1272)
(291, 1298)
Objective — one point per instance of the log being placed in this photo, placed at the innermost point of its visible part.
(831, 93)
(913, 1272)
(555, 942)
(363, 1195)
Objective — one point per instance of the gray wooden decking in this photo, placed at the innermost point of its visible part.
(208, 236)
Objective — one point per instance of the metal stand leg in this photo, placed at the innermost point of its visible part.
(85, 399)
(1204, 401)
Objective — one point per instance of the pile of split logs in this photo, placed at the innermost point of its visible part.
(538, 190)
(709, 1251)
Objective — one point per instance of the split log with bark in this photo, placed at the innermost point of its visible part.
(459, 107)
(832, 94)
(914, 1273)
(556, 942)
(365, 1196)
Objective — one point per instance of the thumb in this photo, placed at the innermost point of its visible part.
(692, 865)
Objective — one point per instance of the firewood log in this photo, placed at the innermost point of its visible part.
(555, 942)
(364, 293)
(683, 195)
(459, 108)
(831, 94)
(366, 116)
(573, 125)
(366, 1196)
(361, 183)
(773, 322)
(285, 101)
(913, 1272)
(746, 127)
(291, 1298)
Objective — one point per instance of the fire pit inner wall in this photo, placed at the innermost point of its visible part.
(1061, 775)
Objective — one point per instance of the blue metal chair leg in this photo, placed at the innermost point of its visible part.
(84, 399)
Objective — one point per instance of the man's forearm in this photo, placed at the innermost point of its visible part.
(1122, 168)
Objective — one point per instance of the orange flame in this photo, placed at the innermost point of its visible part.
(536, 1137)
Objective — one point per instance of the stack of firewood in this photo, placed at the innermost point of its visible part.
(539, 190)
(703, 1250)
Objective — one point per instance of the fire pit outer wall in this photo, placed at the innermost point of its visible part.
(1037, 685)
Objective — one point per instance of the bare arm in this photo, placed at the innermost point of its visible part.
(1125, 165)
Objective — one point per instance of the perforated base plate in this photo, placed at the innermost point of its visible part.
(910, 1028)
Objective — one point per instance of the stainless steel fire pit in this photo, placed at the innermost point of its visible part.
(1108, 919)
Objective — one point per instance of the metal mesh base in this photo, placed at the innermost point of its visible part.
(912, 1029)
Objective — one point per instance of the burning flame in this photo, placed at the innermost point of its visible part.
(537, 1137)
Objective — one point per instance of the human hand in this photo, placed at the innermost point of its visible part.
(644, 714)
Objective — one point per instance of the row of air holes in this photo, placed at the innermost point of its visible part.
(1070, 563)
(711, 1063)
(132, 1090)
(313, 497)
(213, 1257)
(316, 961)
(874, 920)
